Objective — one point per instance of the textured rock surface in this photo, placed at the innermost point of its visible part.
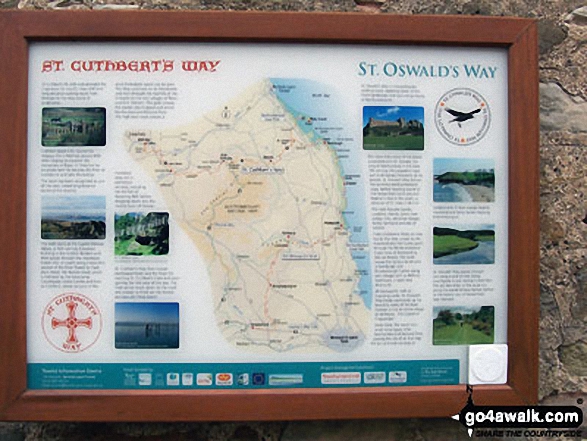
(563, 189)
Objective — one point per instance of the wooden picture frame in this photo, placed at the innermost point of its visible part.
(18, 29)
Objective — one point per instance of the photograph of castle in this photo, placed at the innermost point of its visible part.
(393, 128)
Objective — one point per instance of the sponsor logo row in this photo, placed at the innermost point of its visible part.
(394, 377)
(261, 379)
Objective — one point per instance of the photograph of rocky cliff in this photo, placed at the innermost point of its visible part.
(141, 234)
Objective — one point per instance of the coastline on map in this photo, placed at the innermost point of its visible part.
(467, 246)
(353, 215)
(461, 325)
(73, 217)
(464, 180)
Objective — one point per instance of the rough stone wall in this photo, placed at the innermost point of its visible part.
(563, 190)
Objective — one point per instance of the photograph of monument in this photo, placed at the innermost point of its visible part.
(74, 126)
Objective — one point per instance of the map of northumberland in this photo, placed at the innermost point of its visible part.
(263, 197)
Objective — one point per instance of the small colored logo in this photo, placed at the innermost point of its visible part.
(398, 377)
(145, 379)
(172, 379)
(130, 379)
(243, 379)
(204, 379)
(187, 379)
(285, 379)
(223, 379)
(341, 378)
(374, 377)
(258, 379)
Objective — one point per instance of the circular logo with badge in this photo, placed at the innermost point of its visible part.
(72, 322)
(462, 116)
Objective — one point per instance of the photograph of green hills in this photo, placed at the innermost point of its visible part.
(73, 217)
(464, 180)
(393, 128)
(468, 246)
(463, 325)
(140, 234)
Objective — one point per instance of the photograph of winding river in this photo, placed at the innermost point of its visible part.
(472, 245)
(464, 180)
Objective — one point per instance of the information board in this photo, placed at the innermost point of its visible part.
(264, 215)
(252, 213)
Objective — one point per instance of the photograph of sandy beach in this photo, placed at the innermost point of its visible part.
(464, 180)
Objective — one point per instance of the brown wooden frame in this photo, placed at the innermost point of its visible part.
(518, 36)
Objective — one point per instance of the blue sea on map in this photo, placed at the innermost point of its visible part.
(305, 98)
(483, 254)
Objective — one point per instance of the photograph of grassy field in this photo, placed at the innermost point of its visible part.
(74, 126)
(468, 246)
(393, 128)
(463, 325)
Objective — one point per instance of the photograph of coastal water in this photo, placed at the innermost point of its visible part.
(465, 245)
(460, 325)
(73, 217)
(146, 325)
(464, 180)
(74, 126)
(393, 128)
(141, 234)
